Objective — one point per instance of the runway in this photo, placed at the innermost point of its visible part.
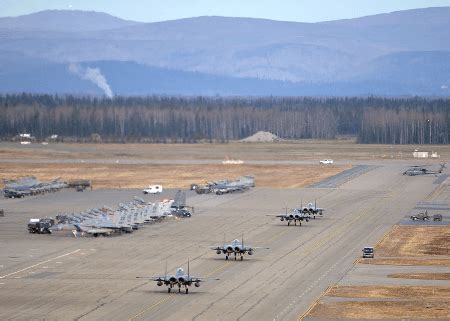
(63, 278)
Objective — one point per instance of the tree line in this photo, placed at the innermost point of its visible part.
(164, 119)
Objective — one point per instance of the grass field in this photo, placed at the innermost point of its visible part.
(402, 246)
(415, 241)
(296, 150)
(171, 176)
(421, 308)
(421, 276)
(113, 166)
(406, 261)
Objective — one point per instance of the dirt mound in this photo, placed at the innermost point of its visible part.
(261, 137)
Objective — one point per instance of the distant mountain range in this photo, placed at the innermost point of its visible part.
(400, 53)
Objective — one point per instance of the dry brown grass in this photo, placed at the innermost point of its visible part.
(371, 310)
(12, 153)
(390, 302)
(398, 292)
(403, 245)
(171, 176)
(421, 276)
(415, 241)
(406, 261)
(296, 150)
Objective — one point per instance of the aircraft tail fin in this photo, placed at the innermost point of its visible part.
(442, 167)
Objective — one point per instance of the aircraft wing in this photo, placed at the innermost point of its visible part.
(99, 231)
(153, 278)
(195, 279)
(217, 248)
(248, 248)
(280, 215)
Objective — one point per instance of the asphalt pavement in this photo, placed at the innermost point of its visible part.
(64, 278)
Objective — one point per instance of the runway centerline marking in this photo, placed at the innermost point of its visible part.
(151, 307)
(221, 267)
(278, 235)
(34, 265)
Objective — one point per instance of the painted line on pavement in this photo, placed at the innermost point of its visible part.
(35, 265)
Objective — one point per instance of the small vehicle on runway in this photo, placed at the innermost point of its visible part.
(326, 161)
(368, 252)
(152, 189)
(180, 212)
(14, 193)
(40, 225)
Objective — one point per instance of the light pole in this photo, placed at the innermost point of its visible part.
(429, 125)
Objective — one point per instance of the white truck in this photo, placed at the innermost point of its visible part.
(152, 189)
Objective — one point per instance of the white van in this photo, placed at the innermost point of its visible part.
(152, 189)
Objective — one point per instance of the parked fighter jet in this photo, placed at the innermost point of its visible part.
(421, 170)
(30, 185)
(94, 222)
(237, 248)
(312, 209)
(91, 230)
(180, 279)
(295, 215)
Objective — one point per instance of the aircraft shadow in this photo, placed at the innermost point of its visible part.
(175, 292)
(231, 259)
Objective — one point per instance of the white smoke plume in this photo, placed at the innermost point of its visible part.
(94, 75)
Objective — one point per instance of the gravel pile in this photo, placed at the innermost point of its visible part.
(261, 137)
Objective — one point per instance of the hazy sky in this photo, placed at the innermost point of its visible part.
(159, 10)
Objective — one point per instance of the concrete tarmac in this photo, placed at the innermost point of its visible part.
(64, 278)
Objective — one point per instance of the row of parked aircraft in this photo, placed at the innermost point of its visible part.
(106, 221)
(30, 185)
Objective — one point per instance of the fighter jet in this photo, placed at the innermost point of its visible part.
(296, 215)
(94, 231)
(180, 279)
(312, 209)
(94, 222)
(237, 248)
(30, 185)
(421, 170)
